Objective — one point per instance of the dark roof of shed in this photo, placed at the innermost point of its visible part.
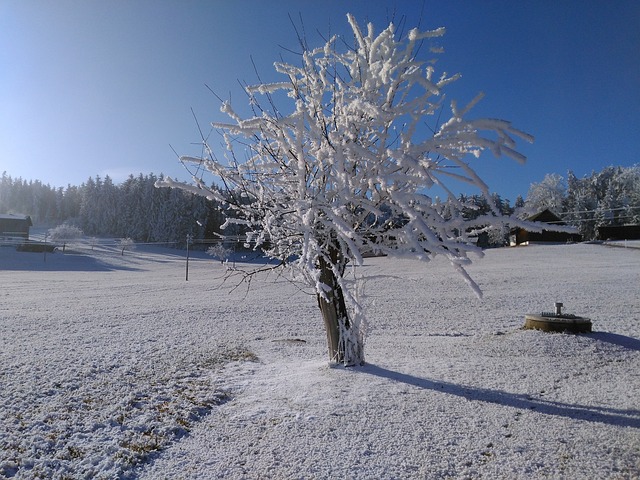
(546, 216)
(14, 216)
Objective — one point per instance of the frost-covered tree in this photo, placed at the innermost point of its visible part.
(220, 252)
(348, 167)
(126, 244)
(549, 193)
(64, 233)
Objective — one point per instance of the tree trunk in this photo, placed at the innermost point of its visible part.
(344, 342)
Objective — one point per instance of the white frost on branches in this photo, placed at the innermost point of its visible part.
(220, 252)
(64, 233)
(126, 244)
(348, 170)
(549, 193)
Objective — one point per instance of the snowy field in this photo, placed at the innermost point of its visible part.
(113, 366)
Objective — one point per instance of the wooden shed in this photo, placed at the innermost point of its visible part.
(14, 226)
(520, 236)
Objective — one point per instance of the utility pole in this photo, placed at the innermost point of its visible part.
(189, 238)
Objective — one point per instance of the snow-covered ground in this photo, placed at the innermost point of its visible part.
(113, 366)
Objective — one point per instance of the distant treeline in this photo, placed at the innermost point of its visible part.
(134, 209)
(138, 210)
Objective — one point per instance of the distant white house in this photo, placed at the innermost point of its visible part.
(14, 225)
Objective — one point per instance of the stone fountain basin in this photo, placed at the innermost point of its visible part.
(557, 323)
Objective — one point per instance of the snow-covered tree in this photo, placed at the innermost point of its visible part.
(498, 235)
(220, 252)
(549, 193)
(64, 233)
(348, 168)
(126, 244)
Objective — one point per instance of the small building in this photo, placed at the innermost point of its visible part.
(14, 226)
(521, 236)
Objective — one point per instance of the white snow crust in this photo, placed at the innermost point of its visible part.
(113, 366)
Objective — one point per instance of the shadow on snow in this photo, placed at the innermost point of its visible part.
(609, 416)
(58, 262)
(629, 343)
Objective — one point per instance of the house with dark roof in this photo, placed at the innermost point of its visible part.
(521, 236)
(14, 226)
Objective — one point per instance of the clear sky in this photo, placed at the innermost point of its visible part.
(91, 87)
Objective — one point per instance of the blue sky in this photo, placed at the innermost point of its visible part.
(104, 88)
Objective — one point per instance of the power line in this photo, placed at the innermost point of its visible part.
(601, 210)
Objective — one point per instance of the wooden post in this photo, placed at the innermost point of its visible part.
(187, 268)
